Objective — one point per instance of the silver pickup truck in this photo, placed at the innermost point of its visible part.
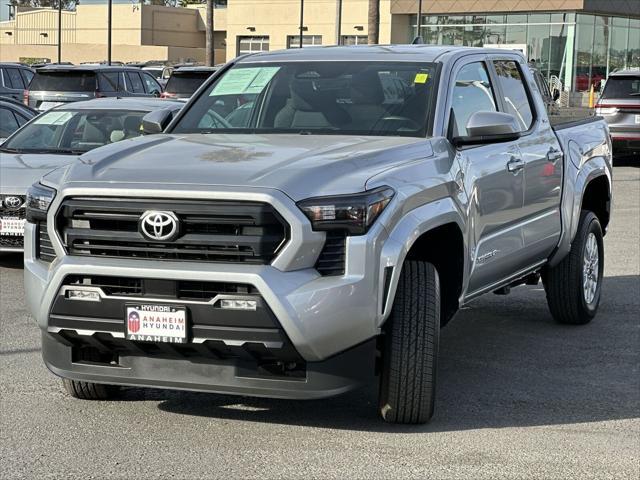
(310, 220)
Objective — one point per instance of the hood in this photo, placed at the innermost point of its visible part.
(301, 166)
(18, 171)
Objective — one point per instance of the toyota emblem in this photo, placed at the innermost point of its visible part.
(12, 202)
(159, 226)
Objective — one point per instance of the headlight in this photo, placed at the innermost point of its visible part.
(38, 201)
(353, 213)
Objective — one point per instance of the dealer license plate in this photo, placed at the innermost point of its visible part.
(12, 226)
(156, 323)
(48, 105)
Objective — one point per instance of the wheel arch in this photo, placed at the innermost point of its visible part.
(431, 233)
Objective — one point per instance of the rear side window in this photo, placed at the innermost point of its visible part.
(472, 93)
(15, 79)
(135, 84)
(515, 95)
(28, 76)
(108, 82)
(622, 87)
(8, 122)
(64, 81)
(150, 83)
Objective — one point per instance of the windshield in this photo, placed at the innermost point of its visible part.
(353, 98)
(622, 87)
(74, 132)
(186, 82)
(64, 81)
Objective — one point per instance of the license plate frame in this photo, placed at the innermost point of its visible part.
(156, 322)
(12, 226)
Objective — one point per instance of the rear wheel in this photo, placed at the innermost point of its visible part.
(573, 286)
(410, 351)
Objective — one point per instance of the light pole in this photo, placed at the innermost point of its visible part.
(301, 20)
(109, 25)
(59, 31)
(209, 36)
(419, 16)
(339, 21)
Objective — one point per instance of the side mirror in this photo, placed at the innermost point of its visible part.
(156, 122)
(555, 95)
(489, 127)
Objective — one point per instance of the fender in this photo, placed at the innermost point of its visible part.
(405, 233)
(577, 177)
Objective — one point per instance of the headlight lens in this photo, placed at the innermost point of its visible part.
(353, 213)
(39, 200)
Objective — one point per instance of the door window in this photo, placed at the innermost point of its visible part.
(108, 82)
(135, 84)
(515, 95)
(472, 93)
(253, 44)
(15, 78)
(28, 76)
(150, 84)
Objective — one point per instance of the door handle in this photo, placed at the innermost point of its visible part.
(554, 155)
(515, 165)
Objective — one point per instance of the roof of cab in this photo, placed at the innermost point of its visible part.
(407, 53)
(129, 103)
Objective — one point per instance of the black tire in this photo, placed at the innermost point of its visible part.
(410, 347)
(89, 390)
(564, 283)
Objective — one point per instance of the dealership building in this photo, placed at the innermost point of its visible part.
(574, 42)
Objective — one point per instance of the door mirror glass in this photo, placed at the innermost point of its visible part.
(156, 122)
(489, 127)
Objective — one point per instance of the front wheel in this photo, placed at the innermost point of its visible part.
(573, 286)
(410, 351)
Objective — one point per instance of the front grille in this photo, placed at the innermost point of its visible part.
(115, 286)
(44, 248)
(210, 230)
(333, 255)
(12, 241)
(206, 291)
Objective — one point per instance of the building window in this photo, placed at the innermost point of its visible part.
(293, 41)
(253, 44)
(354, 40)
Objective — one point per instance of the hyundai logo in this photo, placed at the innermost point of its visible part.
(12, 202)
(159, 226)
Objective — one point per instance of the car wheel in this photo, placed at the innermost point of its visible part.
(89, 390)
(410, 347)
(574, 286)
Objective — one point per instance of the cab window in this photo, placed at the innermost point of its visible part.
(472, 93)
(516, 99)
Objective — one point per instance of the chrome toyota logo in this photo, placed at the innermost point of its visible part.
(156, 225)
(12, 202)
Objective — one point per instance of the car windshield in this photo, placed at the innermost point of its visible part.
(64, 81)
(74, 131)
(186, 82)
(622, 87)
(353, 98)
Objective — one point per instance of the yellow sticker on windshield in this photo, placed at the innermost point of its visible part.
(421, 78)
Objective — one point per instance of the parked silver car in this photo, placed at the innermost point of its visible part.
(56, 138)
(619, 104)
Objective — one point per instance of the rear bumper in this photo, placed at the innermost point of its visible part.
(626, 141)
(330, 377)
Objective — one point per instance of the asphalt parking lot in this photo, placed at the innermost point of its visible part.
(518, 396)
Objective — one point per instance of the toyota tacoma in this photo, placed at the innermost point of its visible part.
(310, 220)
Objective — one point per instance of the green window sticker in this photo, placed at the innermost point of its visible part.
(244, 80)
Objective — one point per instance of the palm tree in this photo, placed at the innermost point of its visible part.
(374, 22)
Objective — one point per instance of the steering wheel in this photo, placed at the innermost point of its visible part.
(402, 121)
(216, 120)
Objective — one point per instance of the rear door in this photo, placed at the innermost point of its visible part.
(493, 179)
(135, 86)
(542, 156)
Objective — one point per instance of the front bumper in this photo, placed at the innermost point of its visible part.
(330, 321)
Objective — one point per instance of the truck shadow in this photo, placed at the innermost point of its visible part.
(503, 363)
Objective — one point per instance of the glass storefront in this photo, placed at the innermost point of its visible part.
(579, 49)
